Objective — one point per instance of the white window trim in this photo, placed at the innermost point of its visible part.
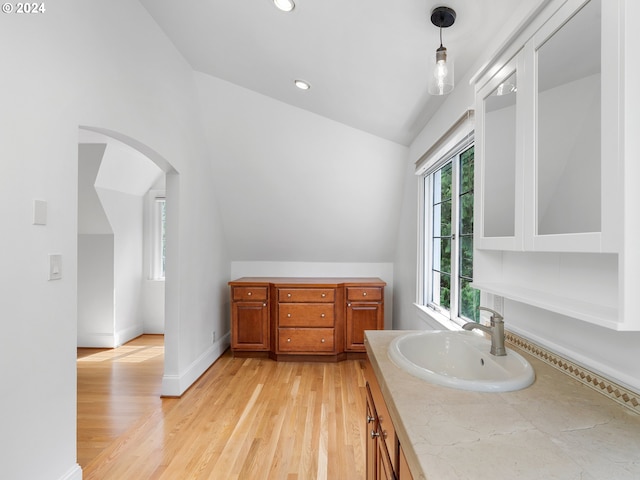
(154, 231)
(446, 145)
(451, 143)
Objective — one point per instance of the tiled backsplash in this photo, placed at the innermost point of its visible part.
(596, 381)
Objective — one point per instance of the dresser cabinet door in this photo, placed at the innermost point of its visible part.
(250, 326)
(364, 311)
(360, 317)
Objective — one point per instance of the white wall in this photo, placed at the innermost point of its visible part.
(299, 187)
(124, 212)
(95, 255)
(102, 64)
(96, 306)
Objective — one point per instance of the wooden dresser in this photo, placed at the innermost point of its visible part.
(291, 318)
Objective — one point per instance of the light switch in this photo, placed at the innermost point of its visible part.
(55, 267)
(39, 212)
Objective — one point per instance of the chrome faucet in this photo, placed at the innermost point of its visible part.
(496, 330)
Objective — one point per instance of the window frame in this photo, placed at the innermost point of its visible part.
(156, 243)
(425, 231)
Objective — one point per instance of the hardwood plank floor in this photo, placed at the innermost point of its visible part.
(243, 419)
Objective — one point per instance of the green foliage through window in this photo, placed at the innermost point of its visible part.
(452, 188)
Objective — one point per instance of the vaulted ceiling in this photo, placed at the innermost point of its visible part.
(367, 60)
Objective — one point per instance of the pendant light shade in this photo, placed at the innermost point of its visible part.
(441, 78)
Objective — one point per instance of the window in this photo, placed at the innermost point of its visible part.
(158, 238)
(447, 239)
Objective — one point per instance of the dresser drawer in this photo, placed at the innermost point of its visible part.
(324, 295)
(306, 340)
(249, 293)
(306, 315)
(368, 294)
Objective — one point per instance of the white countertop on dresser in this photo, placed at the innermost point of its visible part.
(557, 428)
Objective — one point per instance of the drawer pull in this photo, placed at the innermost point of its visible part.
(322, 340)
(322, 315)
(288, 295)
(248, 294)
(323, 295)
(364, 294)
(288, 315)
(288, 340)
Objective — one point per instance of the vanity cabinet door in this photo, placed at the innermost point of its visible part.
(568, 169)
(403, 467)
(371, 427)
(500, 143)
(379, 466)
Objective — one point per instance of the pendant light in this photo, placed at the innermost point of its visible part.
(441, 80)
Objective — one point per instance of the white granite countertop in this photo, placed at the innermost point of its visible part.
(557, 428)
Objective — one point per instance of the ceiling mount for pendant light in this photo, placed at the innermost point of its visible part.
(285, 5)
(441, 81)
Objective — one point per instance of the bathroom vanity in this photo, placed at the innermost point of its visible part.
(291, 317)
(558, 428)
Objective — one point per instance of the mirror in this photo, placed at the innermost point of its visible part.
(500, 159)
(568, 126)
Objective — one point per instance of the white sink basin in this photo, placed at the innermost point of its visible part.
(460, 360)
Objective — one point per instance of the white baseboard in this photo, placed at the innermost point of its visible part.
(96, 340)
(176, 385)
(74, 473)
(123, 336)
(109, 340)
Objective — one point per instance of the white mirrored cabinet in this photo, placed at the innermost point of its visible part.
(557, 113)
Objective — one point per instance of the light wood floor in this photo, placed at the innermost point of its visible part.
(243, 419)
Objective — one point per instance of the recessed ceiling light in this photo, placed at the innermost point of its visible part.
(285, 5)
(302, 85)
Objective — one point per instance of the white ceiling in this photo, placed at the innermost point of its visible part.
(366, 59)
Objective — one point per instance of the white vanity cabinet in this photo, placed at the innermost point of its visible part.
(557, 113)
(548, 139)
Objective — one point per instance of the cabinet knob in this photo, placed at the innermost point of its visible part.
(264, 304)
(288, 315)
(370, 419)
(248, 294)
(323, 295)
(348, 304)
(288, 339)
(374, 434)
(288, 295)
(322, 315)
(364, 294)
(322, 340)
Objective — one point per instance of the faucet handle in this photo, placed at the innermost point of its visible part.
(495, 316)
